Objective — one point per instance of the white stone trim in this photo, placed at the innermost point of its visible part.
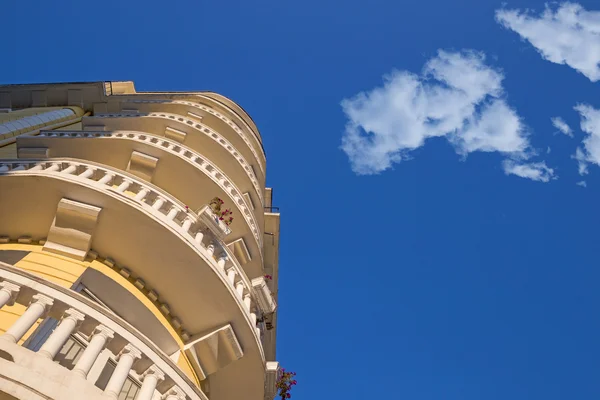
(54, 293)
(211, 257)
(189, 155)
(261, 160)
(263, 296)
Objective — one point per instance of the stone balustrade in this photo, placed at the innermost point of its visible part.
(187, 154)
(200, 127)
(233, 125)
(160, 206)
(79, 314)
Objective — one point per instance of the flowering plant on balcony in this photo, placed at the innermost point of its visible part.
(269, 277)
(215, 205)
(223, 216)
(285, 383)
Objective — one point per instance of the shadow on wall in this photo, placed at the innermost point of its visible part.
(12, 257)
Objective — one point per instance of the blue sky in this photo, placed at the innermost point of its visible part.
(447, 253)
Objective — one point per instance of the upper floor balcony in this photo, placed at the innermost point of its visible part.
(149, 237)
(187, 131)
(183, 172)
(135, 368)
(243, 139)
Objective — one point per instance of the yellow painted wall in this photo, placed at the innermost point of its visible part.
(65, 272)
(127, 284)
(53, 267)
(184, 364)
(60, 270)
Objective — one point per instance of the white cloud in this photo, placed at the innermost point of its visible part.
(534, 171)
(581, 183)
(590, 124)
(562, 126)
(457, 96)
(568, 34)
(582, 164)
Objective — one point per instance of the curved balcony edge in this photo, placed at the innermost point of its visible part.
(261, 160)
(180, 150)
(20, 282)
(186, 122)
(223, 264)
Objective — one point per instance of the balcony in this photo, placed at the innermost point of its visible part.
(36, 370)
(180, 171)
(89, 145)
(151, 237)
(188, 131)
(207, 115)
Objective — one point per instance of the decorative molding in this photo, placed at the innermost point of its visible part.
(222, 261)
(248, 200)
(240, 251)
(175, 134)
(142, 165)
(32, 152)
(189, 123)
(262, 293)
(201, 162)
(214, 351)
(127, 338)
(273, 373)
(72, 229)
(218, 115)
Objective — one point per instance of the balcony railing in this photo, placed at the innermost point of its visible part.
(197, 126)
(160, 206)
(79, 314)
(220, 116)
(161, 142)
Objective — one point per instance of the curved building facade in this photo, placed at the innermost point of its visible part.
(121, 273)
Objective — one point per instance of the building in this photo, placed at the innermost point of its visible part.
(118, 279)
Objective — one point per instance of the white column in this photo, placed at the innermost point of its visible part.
(172, 213)
(186, 224)
(70, 169)
(221, 261)
(37, 308)
(231, 275)
(141, 194)
(101, 336)
(240, 288)
(248, 301)
(106, 179)
(150, 379)
(38, 167)
(158, 203)
(199, 237)
(8, 293)
(175, 393)
(52, 168)
(87, 173)
(127, 357)
(124, 185)
(70, 321)
(210, 248)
